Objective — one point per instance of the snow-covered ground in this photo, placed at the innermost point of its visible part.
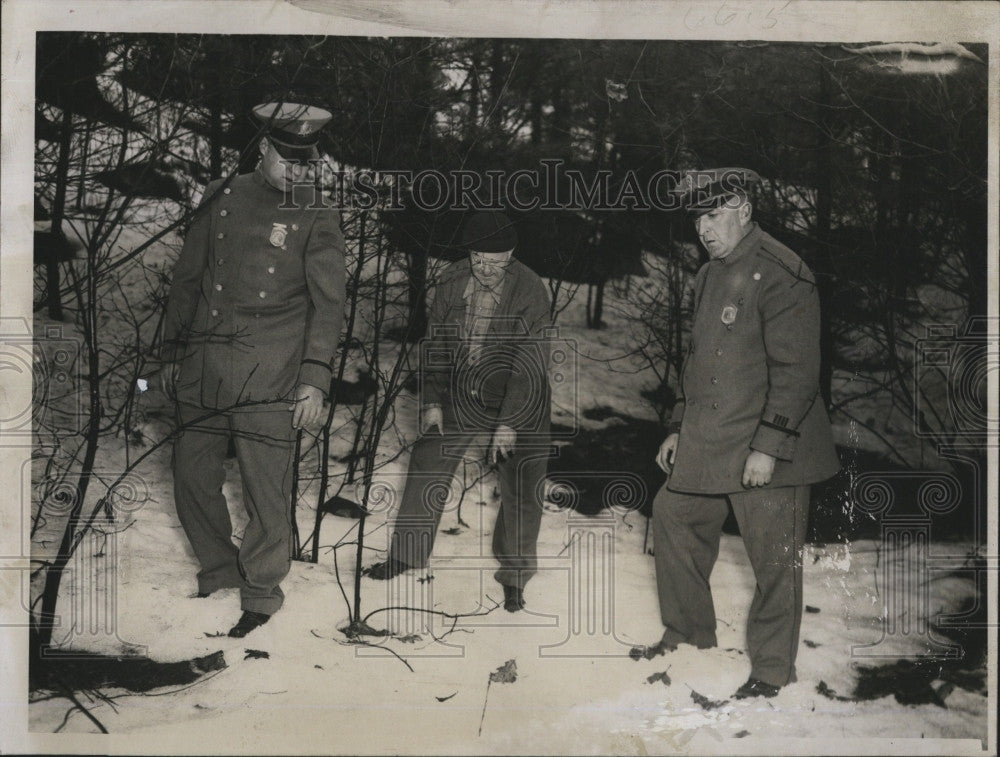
(428, 688)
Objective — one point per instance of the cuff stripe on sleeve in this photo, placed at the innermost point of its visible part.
(782, 429)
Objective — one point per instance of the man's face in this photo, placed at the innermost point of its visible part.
(489, 267)
(280, 172)
(721, 229)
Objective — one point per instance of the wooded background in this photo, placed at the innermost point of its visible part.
(874, 160)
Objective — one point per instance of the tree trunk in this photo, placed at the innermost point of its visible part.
(416, 286)
(824, 212)
(596, 322)
(52, 283)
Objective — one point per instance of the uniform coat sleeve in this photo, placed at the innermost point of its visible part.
(324, 271)
(790, 319)
(185, 287)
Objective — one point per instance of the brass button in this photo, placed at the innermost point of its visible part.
(715, 380)
(220, 235)
(295, 227)
(227, 190)
(215, 312)
(223, 212)
(718, 351)
(220, 261)
(218, 287)
(715, 405)
(262, 294)
(270, 269)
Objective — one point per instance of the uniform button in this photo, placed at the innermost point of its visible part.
(256, 315)
(215, 312)
(262, 294)
(223, 212)
(715, 380)
(715, 405)
(718, 351)
(227, 190)
(220, 261)
(295, 227)
(220, 235)
(218, 287)
(270, 269)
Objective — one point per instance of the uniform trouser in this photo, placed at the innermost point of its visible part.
(433, 462)
(686, 531)
(265, 448)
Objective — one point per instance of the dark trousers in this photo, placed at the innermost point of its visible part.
(265, 448)
(433, 462)
(686, 531)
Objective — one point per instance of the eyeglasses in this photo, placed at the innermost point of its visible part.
(495, 260)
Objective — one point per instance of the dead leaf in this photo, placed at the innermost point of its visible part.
(445, 699)
(506, 673)
(705, 703)
(256, 654)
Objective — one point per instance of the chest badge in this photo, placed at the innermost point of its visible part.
(278, 234)
(729, 314)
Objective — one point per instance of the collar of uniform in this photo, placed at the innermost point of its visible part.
(747, 243)
(260, 181)
(475, 284)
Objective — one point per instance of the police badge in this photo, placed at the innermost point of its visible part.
(278, 234)
(729, 314)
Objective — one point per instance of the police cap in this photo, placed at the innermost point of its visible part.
(701, 190)
(293, 128)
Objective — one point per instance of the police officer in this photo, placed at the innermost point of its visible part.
(749, 427)
(492, 383)
(251, 327)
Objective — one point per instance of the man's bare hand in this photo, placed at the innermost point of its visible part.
(168, 379)
(502, 445)
(758, 469)
(665, 457)
(308, 408)
(431, 417)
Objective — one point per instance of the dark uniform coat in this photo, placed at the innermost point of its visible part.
(256, 305)
(751, 376)
(255, 308)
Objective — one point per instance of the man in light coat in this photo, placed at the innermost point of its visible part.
(484, 370)
(749, 428)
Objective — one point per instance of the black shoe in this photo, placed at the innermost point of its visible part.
(513, 598)
(756, 688)
(248, 622)
(201, 595)
(383, 571)
(648, 653)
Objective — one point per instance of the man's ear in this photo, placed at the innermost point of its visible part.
(263, 145)
(746, 210)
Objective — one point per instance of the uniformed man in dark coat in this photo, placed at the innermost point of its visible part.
(252, 325)
(484, 372)
(749, 427)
